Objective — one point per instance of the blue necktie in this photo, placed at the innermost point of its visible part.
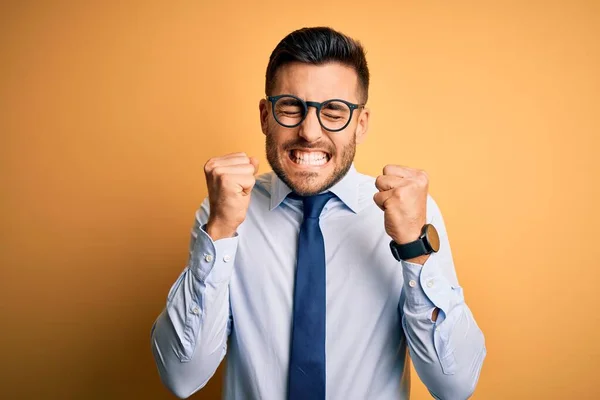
(307, 354)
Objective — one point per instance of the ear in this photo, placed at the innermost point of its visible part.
(263, 107)
(363, 125)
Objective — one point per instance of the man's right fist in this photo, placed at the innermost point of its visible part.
(230, 180)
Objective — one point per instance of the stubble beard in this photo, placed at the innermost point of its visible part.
(304, 182)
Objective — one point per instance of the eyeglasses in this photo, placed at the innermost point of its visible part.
(334, 115)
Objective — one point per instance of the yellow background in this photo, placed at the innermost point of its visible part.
(109, 111)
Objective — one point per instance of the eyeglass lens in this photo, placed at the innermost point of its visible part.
(290, 112)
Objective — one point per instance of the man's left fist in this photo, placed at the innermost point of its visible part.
(403, 198)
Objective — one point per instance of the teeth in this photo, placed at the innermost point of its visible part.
(309, 158)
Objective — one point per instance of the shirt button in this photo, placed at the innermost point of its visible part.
(208, 257)
(430, 283)
(196, 310)
(227, 258)
(412, 283)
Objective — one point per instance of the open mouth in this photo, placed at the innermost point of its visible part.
(309, 158)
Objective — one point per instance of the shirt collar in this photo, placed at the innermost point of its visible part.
(346, 190)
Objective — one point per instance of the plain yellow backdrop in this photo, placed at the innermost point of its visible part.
(108, 112)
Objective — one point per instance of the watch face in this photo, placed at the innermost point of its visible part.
(432, 237)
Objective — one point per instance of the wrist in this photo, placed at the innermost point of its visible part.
(417, 251)
(404, 239)
(217, 230)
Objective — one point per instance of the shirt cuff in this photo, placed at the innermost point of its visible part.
(213, 260)
(426, 287)
(416, 299)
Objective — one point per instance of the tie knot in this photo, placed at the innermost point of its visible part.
(313, 205)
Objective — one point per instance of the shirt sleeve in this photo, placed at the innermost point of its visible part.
(447, 353)
(189, 337)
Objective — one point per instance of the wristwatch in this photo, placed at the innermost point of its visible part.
(427, 243)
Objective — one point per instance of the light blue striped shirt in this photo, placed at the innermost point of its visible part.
(235, 296)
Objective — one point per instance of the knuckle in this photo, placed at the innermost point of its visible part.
(218, 172)
(241, 158)
(208, 166)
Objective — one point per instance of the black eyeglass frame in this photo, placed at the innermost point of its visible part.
(318, 106)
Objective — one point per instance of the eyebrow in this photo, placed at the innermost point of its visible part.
(334, 106)
(289, 101)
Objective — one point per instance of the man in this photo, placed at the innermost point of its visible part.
(315, 278)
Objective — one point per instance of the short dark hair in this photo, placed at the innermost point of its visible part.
(317, 46)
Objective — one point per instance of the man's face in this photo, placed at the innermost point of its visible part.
(308, 158)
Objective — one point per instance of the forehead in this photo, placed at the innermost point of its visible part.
(317, 82)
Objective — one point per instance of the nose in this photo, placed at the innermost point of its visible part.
(310, 128)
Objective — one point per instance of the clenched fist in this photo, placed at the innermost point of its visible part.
(230, 180)
(403, 198)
